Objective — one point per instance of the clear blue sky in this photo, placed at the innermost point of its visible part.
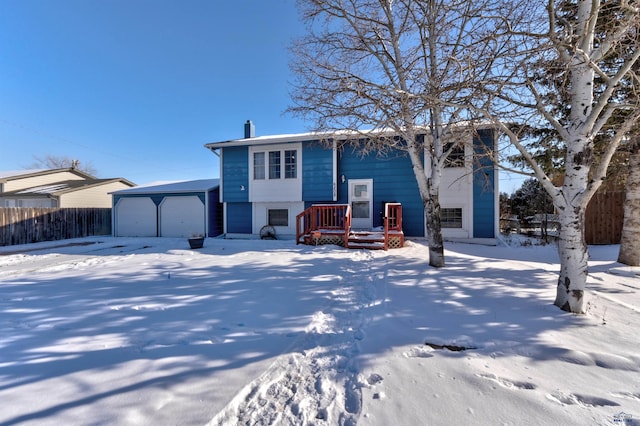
(137, 87)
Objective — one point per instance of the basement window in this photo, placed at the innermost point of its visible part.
(278, 217)
(451, 218)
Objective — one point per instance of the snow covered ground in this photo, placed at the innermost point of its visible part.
(122, 331)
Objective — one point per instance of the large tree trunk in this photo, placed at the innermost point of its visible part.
(575, 193)
(630, 241)
(434, 231)
(573, 261)
(429, 192)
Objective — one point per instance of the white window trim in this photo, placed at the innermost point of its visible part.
(282, 149)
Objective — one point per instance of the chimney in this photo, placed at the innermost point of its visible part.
(249, 130)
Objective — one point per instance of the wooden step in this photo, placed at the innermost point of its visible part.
(366, 240)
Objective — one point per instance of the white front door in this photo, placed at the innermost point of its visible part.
(361, 202)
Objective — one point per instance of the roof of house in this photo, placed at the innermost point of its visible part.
(22, 174)
(58, 188)
(312, 136)
(200, 185)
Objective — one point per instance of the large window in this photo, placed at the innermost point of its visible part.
(270, 164)
(451, 218)
(278, 217)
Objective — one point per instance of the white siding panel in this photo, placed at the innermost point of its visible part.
(275, 190)
(97, 196)
(261, 217)
(182, 216)
(135, 217)
(456, 191)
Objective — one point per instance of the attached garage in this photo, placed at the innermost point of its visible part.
(177, 209)
(136, 217)
(182, 216)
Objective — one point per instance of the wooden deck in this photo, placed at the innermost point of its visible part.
(331, 224)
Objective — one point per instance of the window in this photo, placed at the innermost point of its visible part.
(258, 165)
(360, 209)
(290, 164)
(451, 218)
(278, 217)
(455, 157)
(275, 164)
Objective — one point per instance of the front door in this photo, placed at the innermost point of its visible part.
(361, 202)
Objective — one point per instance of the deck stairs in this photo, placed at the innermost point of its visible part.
(362, 239)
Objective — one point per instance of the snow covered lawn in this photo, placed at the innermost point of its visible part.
(147, 331)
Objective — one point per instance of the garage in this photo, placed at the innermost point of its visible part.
(174, 209)
(135, 217)
(182, 216)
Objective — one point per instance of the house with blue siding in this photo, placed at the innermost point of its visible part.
(267, 181)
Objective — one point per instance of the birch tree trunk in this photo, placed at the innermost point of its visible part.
(630, 241)
(573, 260)
(429, 193)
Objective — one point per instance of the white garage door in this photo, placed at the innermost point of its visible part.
(136, 217)
(181, 216)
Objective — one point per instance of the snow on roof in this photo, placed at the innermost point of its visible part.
(44, 189)
(336, 134)
(199, 185)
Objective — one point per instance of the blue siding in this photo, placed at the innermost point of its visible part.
(393, 181)
(239, 218)
(157, 198)
(317, 172)
(483, 187)
(215, 213)
(235, 174)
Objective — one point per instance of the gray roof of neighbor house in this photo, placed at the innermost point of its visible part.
(200, 185)
(22, 174)
(59, 188)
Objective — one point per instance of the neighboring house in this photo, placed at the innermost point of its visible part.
(21, 179)
(268, 180)
(175, 209)
(61, 188)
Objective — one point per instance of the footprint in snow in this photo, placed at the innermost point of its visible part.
(627, 395)
(419, 352)
(374, 379)
(583, 400)
(509, 384)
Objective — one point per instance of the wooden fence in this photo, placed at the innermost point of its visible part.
(603, 219)
(23, 225)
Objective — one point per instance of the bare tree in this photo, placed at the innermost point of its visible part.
(590, 56)
(50, 161)
(403, 67)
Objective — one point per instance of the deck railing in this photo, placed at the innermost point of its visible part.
(323, 216)
(337, 217)
(393, 214)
